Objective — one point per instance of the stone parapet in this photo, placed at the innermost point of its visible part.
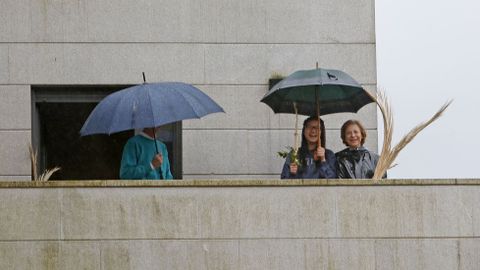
(235, 183)
(240, 224)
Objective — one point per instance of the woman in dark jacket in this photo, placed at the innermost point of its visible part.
(315, 161)
(355, 161)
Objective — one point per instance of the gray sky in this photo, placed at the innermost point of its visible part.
(428, 51)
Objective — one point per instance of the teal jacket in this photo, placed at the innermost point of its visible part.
(137, 155)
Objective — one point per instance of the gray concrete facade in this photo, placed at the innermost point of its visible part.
(351, 224)
(229, 49)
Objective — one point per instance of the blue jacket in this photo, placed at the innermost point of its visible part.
(137, 155)
(312, 170)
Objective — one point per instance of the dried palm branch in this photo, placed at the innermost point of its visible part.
(388, 155)
(414, 132)
(295, 148)
(47, 174)
(33, 159)
(384, 105)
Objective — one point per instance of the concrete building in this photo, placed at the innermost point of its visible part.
(57, 58)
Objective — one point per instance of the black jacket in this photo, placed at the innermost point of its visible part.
(356, 163)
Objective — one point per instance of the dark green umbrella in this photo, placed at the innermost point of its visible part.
(332, 91)
(316, 92)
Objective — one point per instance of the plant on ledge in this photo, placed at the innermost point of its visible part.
(388, 154)
(33, 159)
(274, 79)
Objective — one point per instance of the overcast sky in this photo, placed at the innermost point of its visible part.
(428, 51)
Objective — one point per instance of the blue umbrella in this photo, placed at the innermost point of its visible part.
(148, 105)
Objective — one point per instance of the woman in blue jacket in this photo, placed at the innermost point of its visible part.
(315, 160)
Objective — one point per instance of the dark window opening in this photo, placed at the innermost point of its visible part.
(58, 115)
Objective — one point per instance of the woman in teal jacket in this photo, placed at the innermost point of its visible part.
(142, 160)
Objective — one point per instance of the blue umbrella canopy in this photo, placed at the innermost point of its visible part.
(333, 91)
(148, 105)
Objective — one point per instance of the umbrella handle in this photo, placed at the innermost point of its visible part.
(296, 126)
(158, 152)
(319, 131)
(318, 115)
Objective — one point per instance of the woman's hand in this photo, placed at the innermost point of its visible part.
(293, 168)
(319, 154)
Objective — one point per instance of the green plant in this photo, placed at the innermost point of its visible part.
(293, 153)
(276, 76)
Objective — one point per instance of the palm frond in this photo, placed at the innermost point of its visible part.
(388, 155)
(384, 163)
(34, 161)
(47, 174)
(417, 129)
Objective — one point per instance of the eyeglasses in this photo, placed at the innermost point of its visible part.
(311, 127)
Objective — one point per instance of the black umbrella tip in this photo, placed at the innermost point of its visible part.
(144, 80)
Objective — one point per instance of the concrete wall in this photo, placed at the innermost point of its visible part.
(229, 49)
(241, 225)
